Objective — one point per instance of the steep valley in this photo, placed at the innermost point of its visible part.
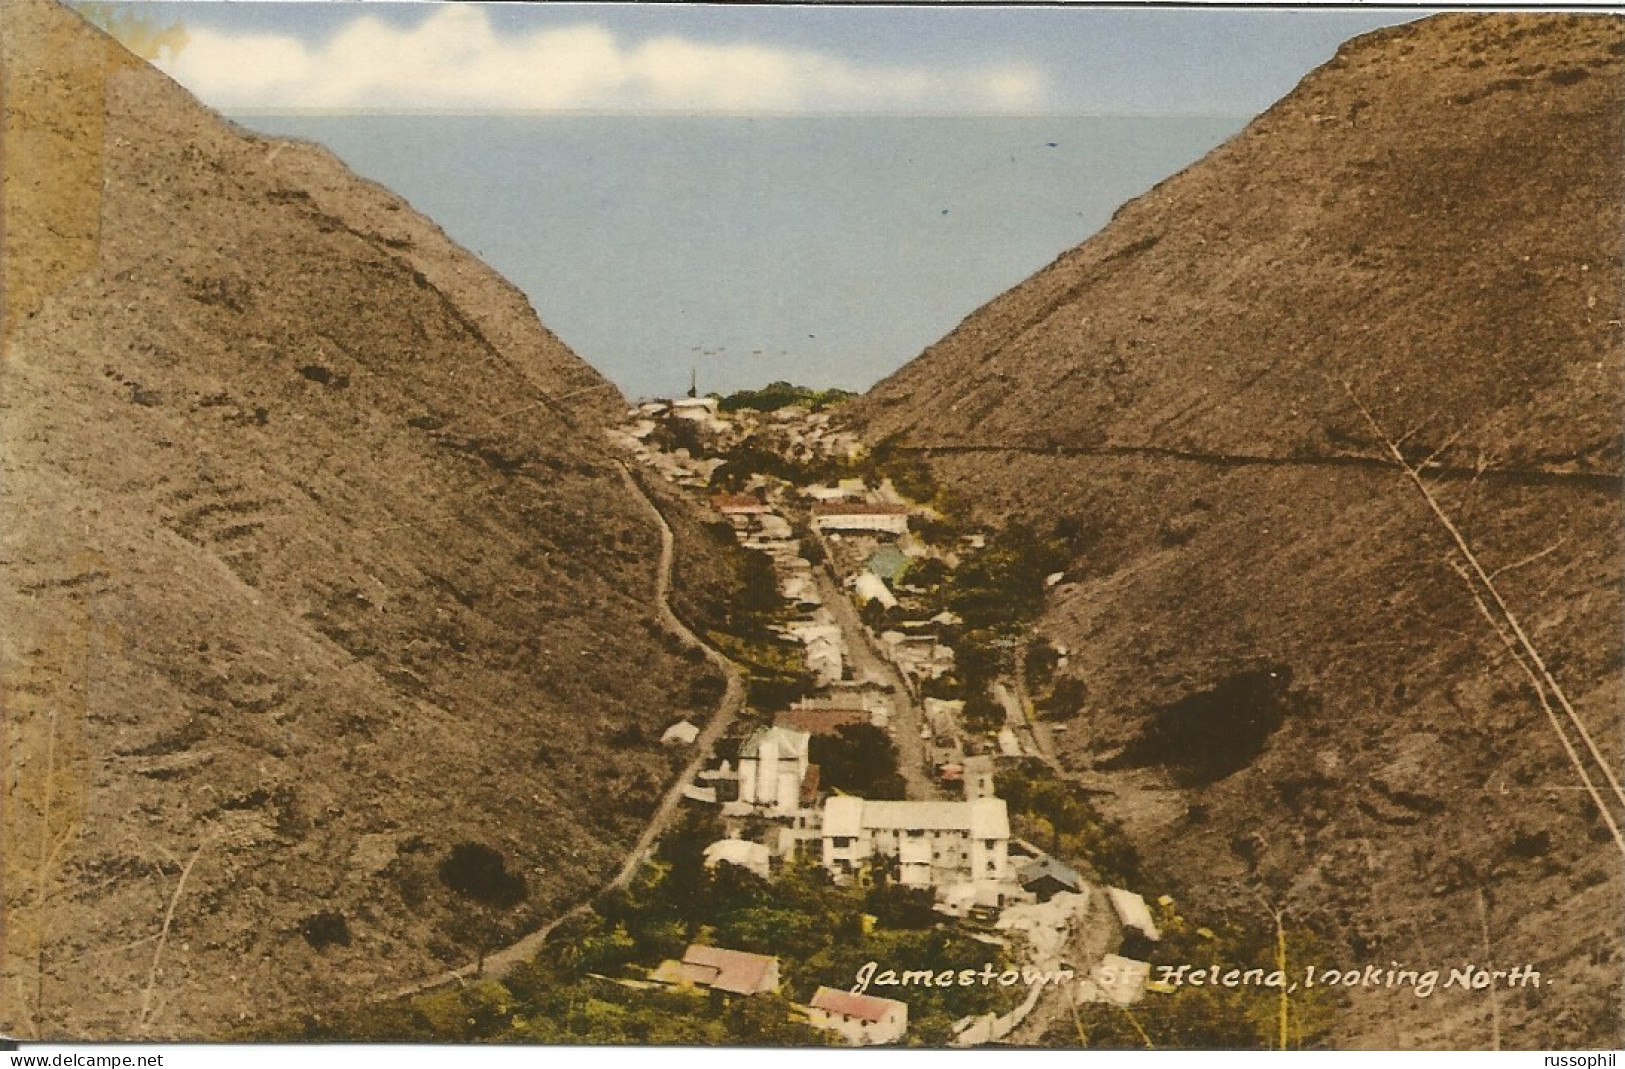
(330, 656)
(1428, 226)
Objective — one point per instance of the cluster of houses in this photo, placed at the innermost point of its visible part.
(776, 812)
(1043, 924)
(758, 526)
(862, 1020)
(868, 530)
(792, 431)
(699, 415)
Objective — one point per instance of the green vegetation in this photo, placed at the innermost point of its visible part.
(777, 395)
(586, 986)
(1001, 586)
(751, 458)
(1064, 700)
(1207, 1016)
(859, 759)
(775, 670)
(909, 472)
(1057, 816)
(737, 610)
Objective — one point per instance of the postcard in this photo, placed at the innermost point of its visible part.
(802, 526)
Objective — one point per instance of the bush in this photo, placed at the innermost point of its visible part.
(480, 873)
(1065, 700)
(858, 759)
(325, 929)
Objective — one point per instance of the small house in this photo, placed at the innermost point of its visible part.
(862, 1020)
(739, 505)
(719, 969)
(822, 721)
(682, 733)
(752, 857)
(978, 773)
(869, 587)
(1133, 913)
(1046, 877)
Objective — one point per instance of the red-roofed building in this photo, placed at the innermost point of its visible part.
(822, 721)
(739, 505)
(863, 1020)
(720, 969)
(860, 516)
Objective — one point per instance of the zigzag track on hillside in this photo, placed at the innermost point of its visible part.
(499, 963)
(1610, 482)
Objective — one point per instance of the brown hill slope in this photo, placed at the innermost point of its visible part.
(313, 569)
(1435, 218)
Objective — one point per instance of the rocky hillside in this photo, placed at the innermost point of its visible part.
(328, 655)
(1292, 695)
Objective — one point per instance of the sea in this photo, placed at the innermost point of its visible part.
(825, 251)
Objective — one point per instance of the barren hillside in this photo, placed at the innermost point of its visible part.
(313, 568)
(1433, 218)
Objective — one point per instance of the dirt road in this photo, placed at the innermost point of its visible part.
(498, 963)
(868, 665)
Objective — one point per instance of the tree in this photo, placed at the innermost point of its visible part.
(858, 759)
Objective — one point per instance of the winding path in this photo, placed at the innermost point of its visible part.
(499, 962)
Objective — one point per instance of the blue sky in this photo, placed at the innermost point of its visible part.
(746, 59)
(757, 237)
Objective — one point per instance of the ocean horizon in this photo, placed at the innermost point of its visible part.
(827, 251)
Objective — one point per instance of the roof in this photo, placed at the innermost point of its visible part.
(984, 818)
(888, 562)
(739, 852)
(820, 721)
(869, 1008)
(843, 816)
(990, 818)
(728, 970)
(1038, 868)
(870, 587)
(788, 742)
(1133, 912)
(737, 503)
(857, 508)
(809, 785)
(682, 731)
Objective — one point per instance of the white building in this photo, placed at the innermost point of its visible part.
(696, 408)
(752, 857)
(862, 1020)
(772, 766)
(934, 844)
(860, 516)
(682, 733)
(1132, 912)
(825, 660)
(869, 587)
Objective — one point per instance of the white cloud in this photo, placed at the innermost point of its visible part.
(454, 60)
